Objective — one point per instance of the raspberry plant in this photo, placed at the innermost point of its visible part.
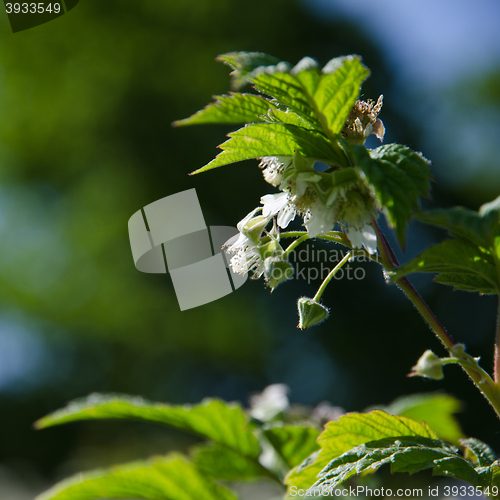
(307, 127)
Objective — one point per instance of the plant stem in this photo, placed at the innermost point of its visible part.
(389, 261)
(295, 244)
(485, 384)
(496, 370)
(331, 274)
(468, 361)
(294, 234)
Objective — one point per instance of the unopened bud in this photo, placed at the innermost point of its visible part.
(310, 313)
(429, 365)
(457, 350)
(254, 227)
(277, 271)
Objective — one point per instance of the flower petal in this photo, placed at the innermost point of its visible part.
(364, 237)
(321, 219)
(286, 215)
(243, 222)
(273, 203)
(369, 239)
(355, 237)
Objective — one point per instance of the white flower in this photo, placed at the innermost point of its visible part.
(246, 255)
(245, 245)
(246, 260)
(281, 204)
(242, 239)
(271, 401)
(274, 166)
(363, 237)
(320, 219)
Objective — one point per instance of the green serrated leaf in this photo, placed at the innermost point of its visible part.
(399, 176)
(305, 474)
(223, 423)
(337, 92)
(460, 264)
(473, 263)
(288, 117)
(351, 430)
(244, 63)
(411, 162)
(232, 108)
(459, 221)
(164, 478)
(308, 111)
(437, 410)
(481, 228)
(484, 454)
(404, 454)
(293, 443)
(322, 99)
(290, 93)
(358, 428)
(459, 468)
(223, 463)
(275, 139)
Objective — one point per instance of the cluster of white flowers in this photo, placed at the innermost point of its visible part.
(352, 204)
(321, 199)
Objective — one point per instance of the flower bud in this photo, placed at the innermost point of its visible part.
(270, 249)
(429, 365)
(310, 313)
(277, 271)
(457, 350)
(254, 227)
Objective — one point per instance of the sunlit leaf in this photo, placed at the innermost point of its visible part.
(437, 410)
(308, 110)
(220, 462)
(322, 99)
(223, 423)
(288, 117)
(289, 91)
(293, 443)
(168, 478)
(351, 430)
(338, 90)
(275, 139)
(244, 63)
(233, 108)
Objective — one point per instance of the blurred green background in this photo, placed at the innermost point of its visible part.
(86, 140)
